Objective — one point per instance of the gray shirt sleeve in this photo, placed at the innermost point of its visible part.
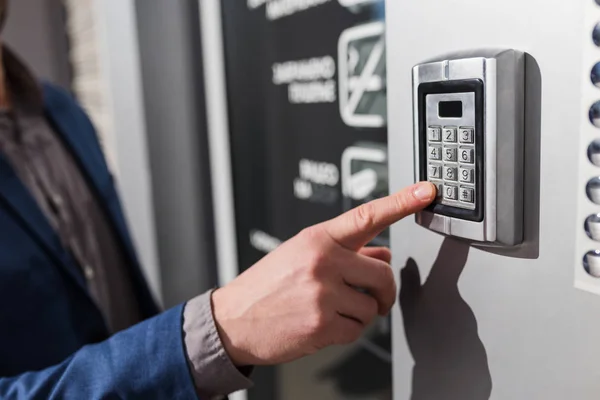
(213, 371)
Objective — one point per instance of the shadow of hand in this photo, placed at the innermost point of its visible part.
(441, 330)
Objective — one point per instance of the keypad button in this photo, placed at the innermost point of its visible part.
(466, 135)
(467, 175)
(434, 134)
(435, 153)
(450, 173)
(467, 195)
(440, 188)
(449, 134)
(435, 171)
(450, 154)
(466, 156)
(450, 192)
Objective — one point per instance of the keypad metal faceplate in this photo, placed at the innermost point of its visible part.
(451, 146)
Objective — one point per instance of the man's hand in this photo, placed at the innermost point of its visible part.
(303, 296)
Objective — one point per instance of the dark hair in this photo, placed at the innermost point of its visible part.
(3, 12)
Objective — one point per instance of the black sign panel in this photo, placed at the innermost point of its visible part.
(306, 88)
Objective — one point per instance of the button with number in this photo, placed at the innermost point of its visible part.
(466, 135)
(440, 188)
(434, 134)
(435, 153)
(450, 192)
(467, 175)
(466, 156)
(435, 171)
(467, 195)
(449, 134)
(450, 173)
(450, 154)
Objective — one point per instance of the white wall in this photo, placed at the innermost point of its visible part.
(35, 30)
(116, 32)
(497, 324)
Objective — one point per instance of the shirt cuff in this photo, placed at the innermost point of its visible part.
(213, 371)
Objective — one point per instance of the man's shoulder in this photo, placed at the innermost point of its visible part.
(61, 105)
(56, 96)
(68, 116)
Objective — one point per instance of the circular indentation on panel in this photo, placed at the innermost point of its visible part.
(591, 263)
(595, 74)
(594, 152)
(596, 34)
(592, 227)
(595, 114)
(593, 190)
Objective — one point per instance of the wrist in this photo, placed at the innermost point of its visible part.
(224, 321)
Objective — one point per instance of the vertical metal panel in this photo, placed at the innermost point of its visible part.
(172, 74)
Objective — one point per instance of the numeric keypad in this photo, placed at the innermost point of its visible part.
(451, 164)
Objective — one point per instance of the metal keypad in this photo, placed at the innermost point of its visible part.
(450, 173)
(435, 171)
(450, 192)
(440, 188)
(466, 175)
(466, 194)
(434, 134)
(467, 135)
(435, 153)
(450, 154)
(451, 164)
(466, 155)
(449, 134)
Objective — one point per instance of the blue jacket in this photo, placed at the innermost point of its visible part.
(53, 341)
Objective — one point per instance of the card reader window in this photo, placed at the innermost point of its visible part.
(450, 109)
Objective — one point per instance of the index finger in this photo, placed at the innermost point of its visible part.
(360, 225)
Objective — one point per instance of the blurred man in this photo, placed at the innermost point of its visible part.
(77, 320)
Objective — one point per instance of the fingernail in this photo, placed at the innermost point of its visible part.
(424, 191)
